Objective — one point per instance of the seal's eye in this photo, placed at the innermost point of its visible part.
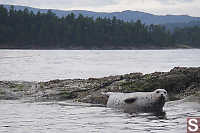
(157, 91)
(165, 92)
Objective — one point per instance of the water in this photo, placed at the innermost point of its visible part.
(34, 65)
(61, 117)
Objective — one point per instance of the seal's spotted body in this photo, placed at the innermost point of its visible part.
(138, 101)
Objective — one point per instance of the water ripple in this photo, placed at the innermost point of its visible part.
(21, 117)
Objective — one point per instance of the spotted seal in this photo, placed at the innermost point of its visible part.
(138, 101)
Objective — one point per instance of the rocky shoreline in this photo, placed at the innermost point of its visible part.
(179, 82)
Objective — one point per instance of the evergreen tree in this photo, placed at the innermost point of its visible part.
(24, 29)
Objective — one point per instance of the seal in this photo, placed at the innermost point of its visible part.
(138, 101)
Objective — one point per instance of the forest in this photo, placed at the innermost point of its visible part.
(26, 30)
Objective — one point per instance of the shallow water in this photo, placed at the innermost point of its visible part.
(62, 117)
(42, 65)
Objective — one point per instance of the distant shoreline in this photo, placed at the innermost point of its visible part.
(110, 48)
(26, 30)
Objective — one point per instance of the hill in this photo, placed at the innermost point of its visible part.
(127, 15)
(22, 29)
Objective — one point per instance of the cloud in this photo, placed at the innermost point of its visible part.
(182, 8)
(169, 2)
(159, 7)
(62, 3)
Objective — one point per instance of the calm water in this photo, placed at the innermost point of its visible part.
(33, 65)
(61, 117)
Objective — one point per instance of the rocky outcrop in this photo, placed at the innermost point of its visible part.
(179, 82)
(11, 90)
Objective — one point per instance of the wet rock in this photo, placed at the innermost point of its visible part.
(179, 82)
(11, 90)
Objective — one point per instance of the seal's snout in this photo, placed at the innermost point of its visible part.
(163, 97)
(162, 94)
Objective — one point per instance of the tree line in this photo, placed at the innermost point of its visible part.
(24, 29)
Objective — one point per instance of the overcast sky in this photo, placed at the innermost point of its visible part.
(159, 7)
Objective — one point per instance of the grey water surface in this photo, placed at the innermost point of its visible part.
(63, 117)
(43, 65)
(18, 116)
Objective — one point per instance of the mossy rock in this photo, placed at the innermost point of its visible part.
(2, 92)
(19, 87)
(66, 95)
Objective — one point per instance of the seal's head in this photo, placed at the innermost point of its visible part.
(160, 94)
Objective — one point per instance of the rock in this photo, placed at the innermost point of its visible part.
(179, 82)
(12, 90)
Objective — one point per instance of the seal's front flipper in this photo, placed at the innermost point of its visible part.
(130, 100)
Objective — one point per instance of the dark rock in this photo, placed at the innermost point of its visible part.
(179, 82)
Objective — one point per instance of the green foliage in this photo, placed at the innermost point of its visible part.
(188, 36)
(24, 29)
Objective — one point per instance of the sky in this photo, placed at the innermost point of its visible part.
(158, 7)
